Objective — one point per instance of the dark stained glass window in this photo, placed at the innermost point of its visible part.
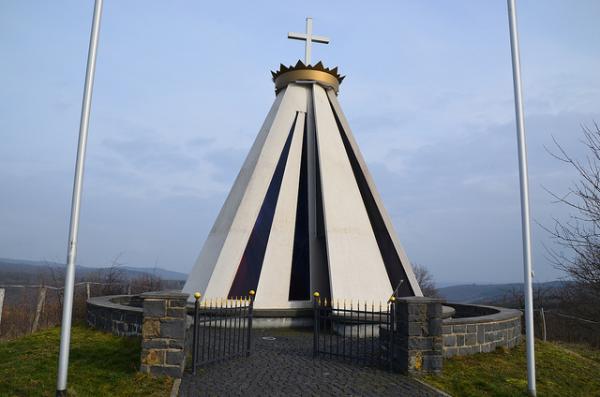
(300, 278)
(393, 266)
(322, 265)
(248, 273)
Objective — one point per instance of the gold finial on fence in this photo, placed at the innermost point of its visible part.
(317, 297)
(252, 292)
(392, 299)
(197, 295)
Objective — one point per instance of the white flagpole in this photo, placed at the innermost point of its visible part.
(523, 176)
(65, 331)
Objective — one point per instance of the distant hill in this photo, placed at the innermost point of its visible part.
(20, 271)
(485, 293)
(158, 272)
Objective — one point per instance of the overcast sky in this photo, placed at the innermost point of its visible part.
(182, 88)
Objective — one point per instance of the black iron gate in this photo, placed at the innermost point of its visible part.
(355, 331)
(222, 329)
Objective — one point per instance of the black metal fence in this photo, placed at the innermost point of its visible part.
(355, 331)
(222, 329)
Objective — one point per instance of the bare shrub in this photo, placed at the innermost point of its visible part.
(425, 280)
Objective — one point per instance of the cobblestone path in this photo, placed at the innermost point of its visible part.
(285, 367)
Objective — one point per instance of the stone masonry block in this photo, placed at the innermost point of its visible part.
(174, 329)
(420, 343)
(172, 371)
(434, 310)
(177, 302)
(470, 339)
(153, 357)
(450, 340)
(466, 350)
(417, 313)
(150, 328)
(450, 351)
(175, 357)
(486, 348)
(155, 344)
(435, 325)
(433, 363)
(480, 334)
(177, 344)
(155, 308)
(416, 329)
(176, 312)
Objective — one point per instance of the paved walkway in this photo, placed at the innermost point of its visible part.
(285, 367)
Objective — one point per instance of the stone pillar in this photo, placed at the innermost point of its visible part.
(419, 341)
(163, 333)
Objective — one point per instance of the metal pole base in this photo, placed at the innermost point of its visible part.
(61, 393)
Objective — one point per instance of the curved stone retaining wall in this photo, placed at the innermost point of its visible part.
(480, 329)
(472, 328)
(121, 315)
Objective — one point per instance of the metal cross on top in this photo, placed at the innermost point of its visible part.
(309, 38)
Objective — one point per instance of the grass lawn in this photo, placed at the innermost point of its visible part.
(100, 365)
(562, 370)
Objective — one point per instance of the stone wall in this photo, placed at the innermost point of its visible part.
(164, 333)
(114, 314)
(417, 347)
(480, 329)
